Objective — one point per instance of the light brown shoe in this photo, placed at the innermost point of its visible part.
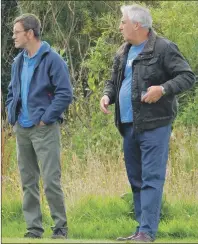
(142, 237)
(128, 238)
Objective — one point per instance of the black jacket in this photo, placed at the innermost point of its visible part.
(160, 63)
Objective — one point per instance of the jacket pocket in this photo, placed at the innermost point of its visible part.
(149, 68)
(162, 109)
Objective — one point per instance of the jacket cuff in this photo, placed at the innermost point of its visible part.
(166, 90)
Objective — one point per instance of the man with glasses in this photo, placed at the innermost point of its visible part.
(38, 94)
(148, 72)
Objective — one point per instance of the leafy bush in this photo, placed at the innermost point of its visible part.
(189, 115)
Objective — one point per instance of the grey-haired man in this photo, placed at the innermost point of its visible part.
(148, 72)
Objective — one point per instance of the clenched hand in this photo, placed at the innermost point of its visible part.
(104, 103)
(153, 94)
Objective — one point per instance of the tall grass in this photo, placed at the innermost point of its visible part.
(103, 173)
(182, 171)
(94, 178)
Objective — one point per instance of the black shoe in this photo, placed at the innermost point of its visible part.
(31, 235)
(59, 233)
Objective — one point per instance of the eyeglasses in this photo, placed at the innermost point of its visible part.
(17, 32)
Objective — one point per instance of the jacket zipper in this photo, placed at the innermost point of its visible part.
(36, 66)
(118, 91)
(132, 84)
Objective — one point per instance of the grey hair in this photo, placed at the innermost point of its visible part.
(137, 13)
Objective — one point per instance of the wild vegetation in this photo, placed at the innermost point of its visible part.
(94, 180)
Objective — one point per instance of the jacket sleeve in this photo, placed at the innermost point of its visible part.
(110, 87)
(9, 95)
(60, 80)
(182, 77)
(10, 92)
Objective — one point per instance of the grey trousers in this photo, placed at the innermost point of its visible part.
(40, 144)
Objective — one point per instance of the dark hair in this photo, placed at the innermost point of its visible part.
(30, 22)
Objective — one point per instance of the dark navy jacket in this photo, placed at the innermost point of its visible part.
(50, 91)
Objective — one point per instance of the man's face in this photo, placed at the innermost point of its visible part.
(20, 36)
(128, 29)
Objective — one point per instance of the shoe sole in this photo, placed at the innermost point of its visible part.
(59, 237)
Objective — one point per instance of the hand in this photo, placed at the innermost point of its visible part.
(41, 123)
(104, 103)
(154, 93)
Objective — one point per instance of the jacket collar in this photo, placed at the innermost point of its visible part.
(45, 48)
(18, 60)
(149, 46)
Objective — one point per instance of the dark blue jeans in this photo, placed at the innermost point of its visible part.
(146, 156)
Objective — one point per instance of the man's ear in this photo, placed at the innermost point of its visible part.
(137, 25)
(30, 33)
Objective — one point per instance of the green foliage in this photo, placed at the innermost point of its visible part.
(183, 31)
(93, 136)
(91, 38)
(168, 22)
(189, 115)
(99, 61)
(72, 26)
(9, 12)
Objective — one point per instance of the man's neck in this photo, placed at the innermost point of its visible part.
(33, 48)
(140, 38)
(140, 41)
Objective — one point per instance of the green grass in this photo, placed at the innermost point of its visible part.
(47, 240)
(100, 177)
(106, 218)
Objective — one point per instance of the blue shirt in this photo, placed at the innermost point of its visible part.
(126, 109)
(26, 76)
